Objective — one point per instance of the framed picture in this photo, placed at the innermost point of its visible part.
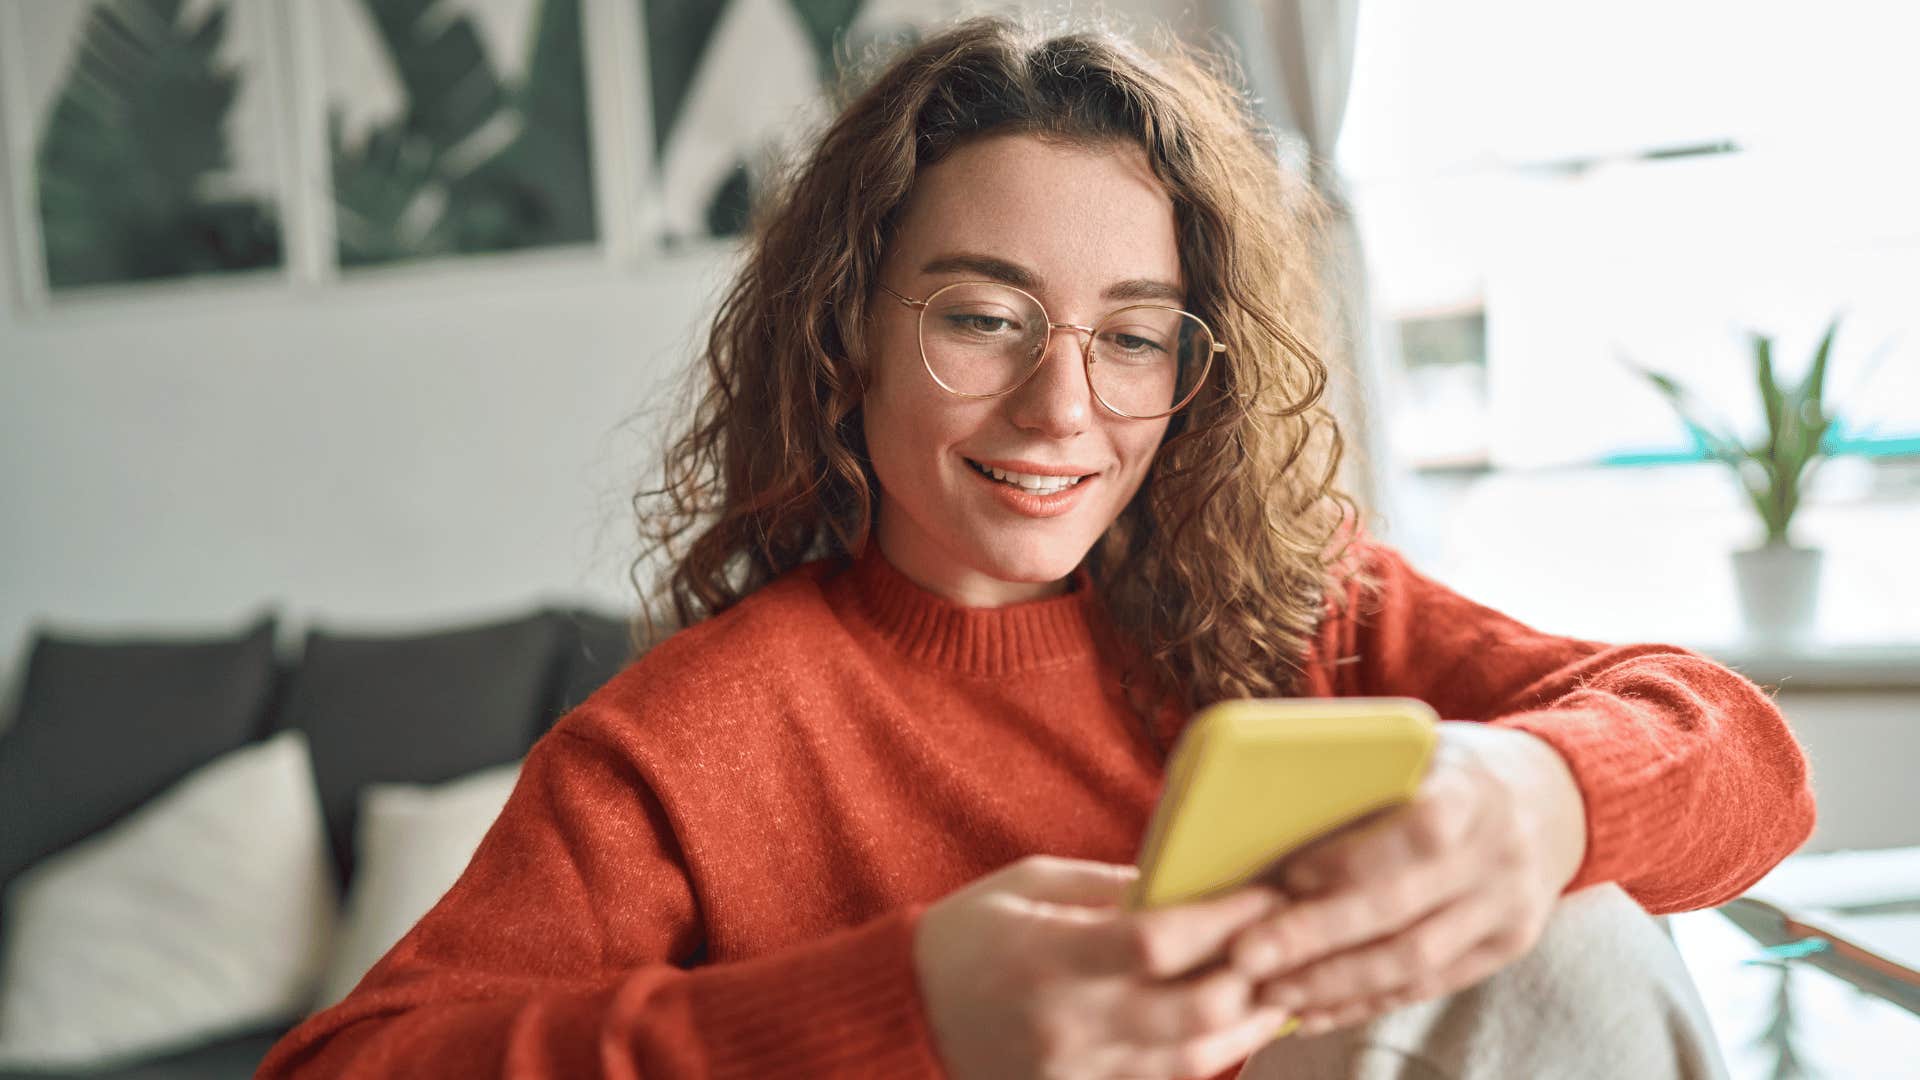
(735, 85)
(141, 141)
(453, 128)
(304, 139)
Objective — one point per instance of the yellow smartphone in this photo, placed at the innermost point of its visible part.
(1250, 781)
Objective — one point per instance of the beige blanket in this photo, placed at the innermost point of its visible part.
(1603, 995)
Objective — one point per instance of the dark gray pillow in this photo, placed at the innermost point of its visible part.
(596, 648)
(418, 708)
(106, 722)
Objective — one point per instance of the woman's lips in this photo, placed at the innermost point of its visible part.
(1033, 468)
(1030, 504)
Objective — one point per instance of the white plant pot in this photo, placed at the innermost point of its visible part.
(1779, 590)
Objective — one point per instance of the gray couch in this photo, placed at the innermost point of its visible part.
(105, 723)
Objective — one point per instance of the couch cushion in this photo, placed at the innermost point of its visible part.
(596, 648)
(235, 1058)
(419, 708)
(411, 844)
(105, 723)
(205, 912)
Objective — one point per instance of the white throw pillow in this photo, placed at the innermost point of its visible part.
(207, 911)
(410, 845)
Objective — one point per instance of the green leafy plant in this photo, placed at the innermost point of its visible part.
(1775, 472)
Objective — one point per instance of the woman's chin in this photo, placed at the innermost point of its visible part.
(1030, 568)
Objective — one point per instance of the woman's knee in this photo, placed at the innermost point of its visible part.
(1602, 993)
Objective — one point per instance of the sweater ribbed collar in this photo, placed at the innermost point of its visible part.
(928, 627)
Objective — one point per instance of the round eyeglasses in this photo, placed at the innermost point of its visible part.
(982, 339)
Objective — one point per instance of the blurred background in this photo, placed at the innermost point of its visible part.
(359, 317)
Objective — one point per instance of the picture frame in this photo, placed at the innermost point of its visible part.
(448, 130)
(183, 95)
(736, 86)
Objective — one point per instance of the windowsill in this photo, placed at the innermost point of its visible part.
(1817, 666)
(1642, 554)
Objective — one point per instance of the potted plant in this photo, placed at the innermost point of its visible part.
(1778, 579)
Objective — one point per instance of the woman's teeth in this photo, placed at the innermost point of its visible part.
(1038, 485)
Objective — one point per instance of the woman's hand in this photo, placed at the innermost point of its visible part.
(1036, 971)
(1429, 897)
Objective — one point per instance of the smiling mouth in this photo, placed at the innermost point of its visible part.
(1037, 485)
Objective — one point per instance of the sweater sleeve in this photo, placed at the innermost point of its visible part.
(1693, 784)
(572, 947)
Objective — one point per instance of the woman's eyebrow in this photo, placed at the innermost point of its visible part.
(995, 269)
(987, 267)
(1145, 289)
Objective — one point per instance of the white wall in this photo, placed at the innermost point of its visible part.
(434, 445)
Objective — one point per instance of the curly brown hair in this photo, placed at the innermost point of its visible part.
(1218, 572)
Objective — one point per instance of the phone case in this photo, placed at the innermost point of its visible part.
(1249, 781)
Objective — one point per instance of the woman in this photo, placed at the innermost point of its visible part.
(1010, 454)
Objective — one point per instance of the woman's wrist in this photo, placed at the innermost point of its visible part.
(1545, 783)
(1563, 804)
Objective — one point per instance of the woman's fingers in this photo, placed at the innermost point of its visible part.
(1199, 1056)
(1305, 932)
(1185, 937)
(1479, 962)
(1161, 944)
(1418, 956)
(1432, 827)
(1059, 880)
(1379, 879)
(1165, 1012)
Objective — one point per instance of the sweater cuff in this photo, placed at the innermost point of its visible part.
(846, 1004)
(1622, 786)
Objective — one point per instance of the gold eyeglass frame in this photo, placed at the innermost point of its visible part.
(1086, 354)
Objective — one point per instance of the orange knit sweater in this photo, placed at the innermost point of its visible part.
(715, 865)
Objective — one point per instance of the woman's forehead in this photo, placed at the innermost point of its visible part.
(1055, 208)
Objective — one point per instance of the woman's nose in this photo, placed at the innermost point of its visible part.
(1057, 401)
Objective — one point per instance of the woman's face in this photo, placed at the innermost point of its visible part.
(1086, 230)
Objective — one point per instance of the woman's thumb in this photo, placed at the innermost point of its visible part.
(1056, 880)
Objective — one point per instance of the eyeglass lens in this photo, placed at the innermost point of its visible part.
(980, 338)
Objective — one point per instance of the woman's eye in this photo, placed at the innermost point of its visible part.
(1134, 345)
(981, 324)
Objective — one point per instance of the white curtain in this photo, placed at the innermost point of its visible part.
(1298, 56)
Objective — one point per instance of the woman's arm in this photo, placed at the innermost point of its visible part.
(1693, 785)
(568, 949)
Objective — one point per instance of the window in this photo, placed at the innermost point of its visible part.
(1567, 187)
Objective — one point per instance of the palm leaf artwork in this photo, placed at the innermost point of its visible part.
(472, 164)
(1774, 472)
(679, 34)
(826, 22)
(134, 154)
